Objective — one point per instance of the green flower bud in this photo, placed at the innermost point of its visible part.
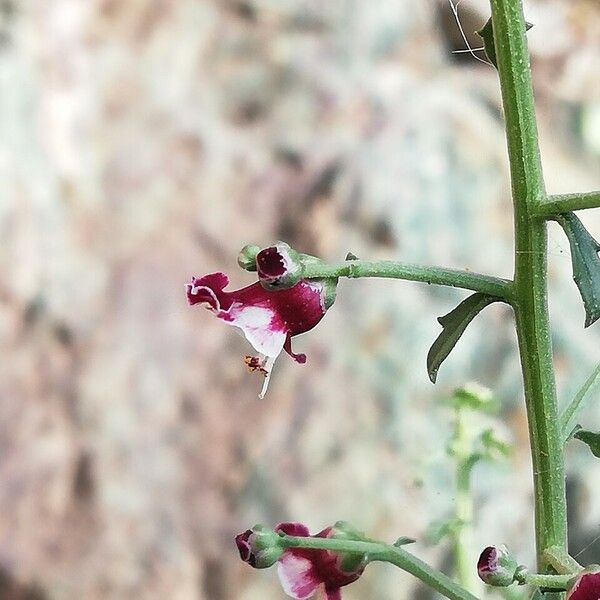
(247, 257)
(260, 547)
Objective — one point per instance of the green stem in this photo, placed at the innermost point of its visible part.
(530, 283)
(376, 551)
(554, 205)
(548, 582)
(562, 561)
(567, 416)
(464, 562)
(494, 286)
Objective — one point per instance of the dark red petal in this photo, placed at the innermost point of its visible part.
(208, 289)
(299, 358)
(488, 560)
(243, 546)
(295, 529)
(334, 594)
(270, 263)
(587, 587)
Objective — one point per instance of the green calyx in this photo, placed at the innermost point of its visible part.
(247, 257)
(350, 561)
(266, 546)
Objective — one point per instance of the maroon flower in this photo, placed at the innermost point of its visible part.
(268, 319)
(586, 586)
(303, 571)
(259, 547)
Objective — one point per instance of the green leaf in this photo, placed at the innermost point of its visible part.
(438, 530)
(591, 438)
(403, 541)
(475, 397)
(494, 446)
(586, 264)
(572, 433)
(454, 324)
(486, 33)
(575, 405)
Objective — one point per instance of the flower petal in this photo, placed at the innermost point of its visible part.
(334, 594)
(260, 325)
(587, 587)
(272, 263)
(299, 358)
(208, 289)
(295, 529)
(297, 576)
(243, 546)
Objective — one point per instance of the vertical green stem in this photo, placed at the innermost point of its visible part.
(466, 573)
(530, 303)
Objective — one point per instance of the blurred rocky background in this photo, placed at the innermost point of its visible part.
(144, 141)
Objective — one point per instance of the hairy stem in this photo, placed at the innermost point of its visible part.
(555, 205)
(530, 283)
(494, 286)
(562, 562)
(376, 551)
(464, 563)
(548, 582)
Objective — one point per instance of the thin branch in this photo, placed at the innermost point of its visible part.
(555, 205)
(494, 286)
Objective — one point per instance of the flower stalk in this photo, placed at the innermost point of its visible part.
(376, 551)
(487, 284)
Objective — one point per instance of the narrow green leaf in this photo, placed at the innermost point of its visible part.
(454, 325)
(572, 433)
(486, 33)
(591, 438)
(577, 402)
(403, 541)
(586, 264)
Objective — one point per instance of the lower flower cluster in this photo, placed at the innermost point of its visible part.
(303, 571)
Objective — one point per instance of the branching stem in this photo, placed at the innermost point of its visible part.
(555, 205)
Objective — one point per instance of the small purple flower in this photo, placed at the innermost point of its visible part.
(268, 319)
(259, 547)
(496, 566)
(303, 571)
(586, 586)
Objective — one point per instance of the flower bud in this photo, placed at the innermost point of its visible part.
(279, 267)
(586, 586)
(496, 566)
(247, 257)
(260, 547)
